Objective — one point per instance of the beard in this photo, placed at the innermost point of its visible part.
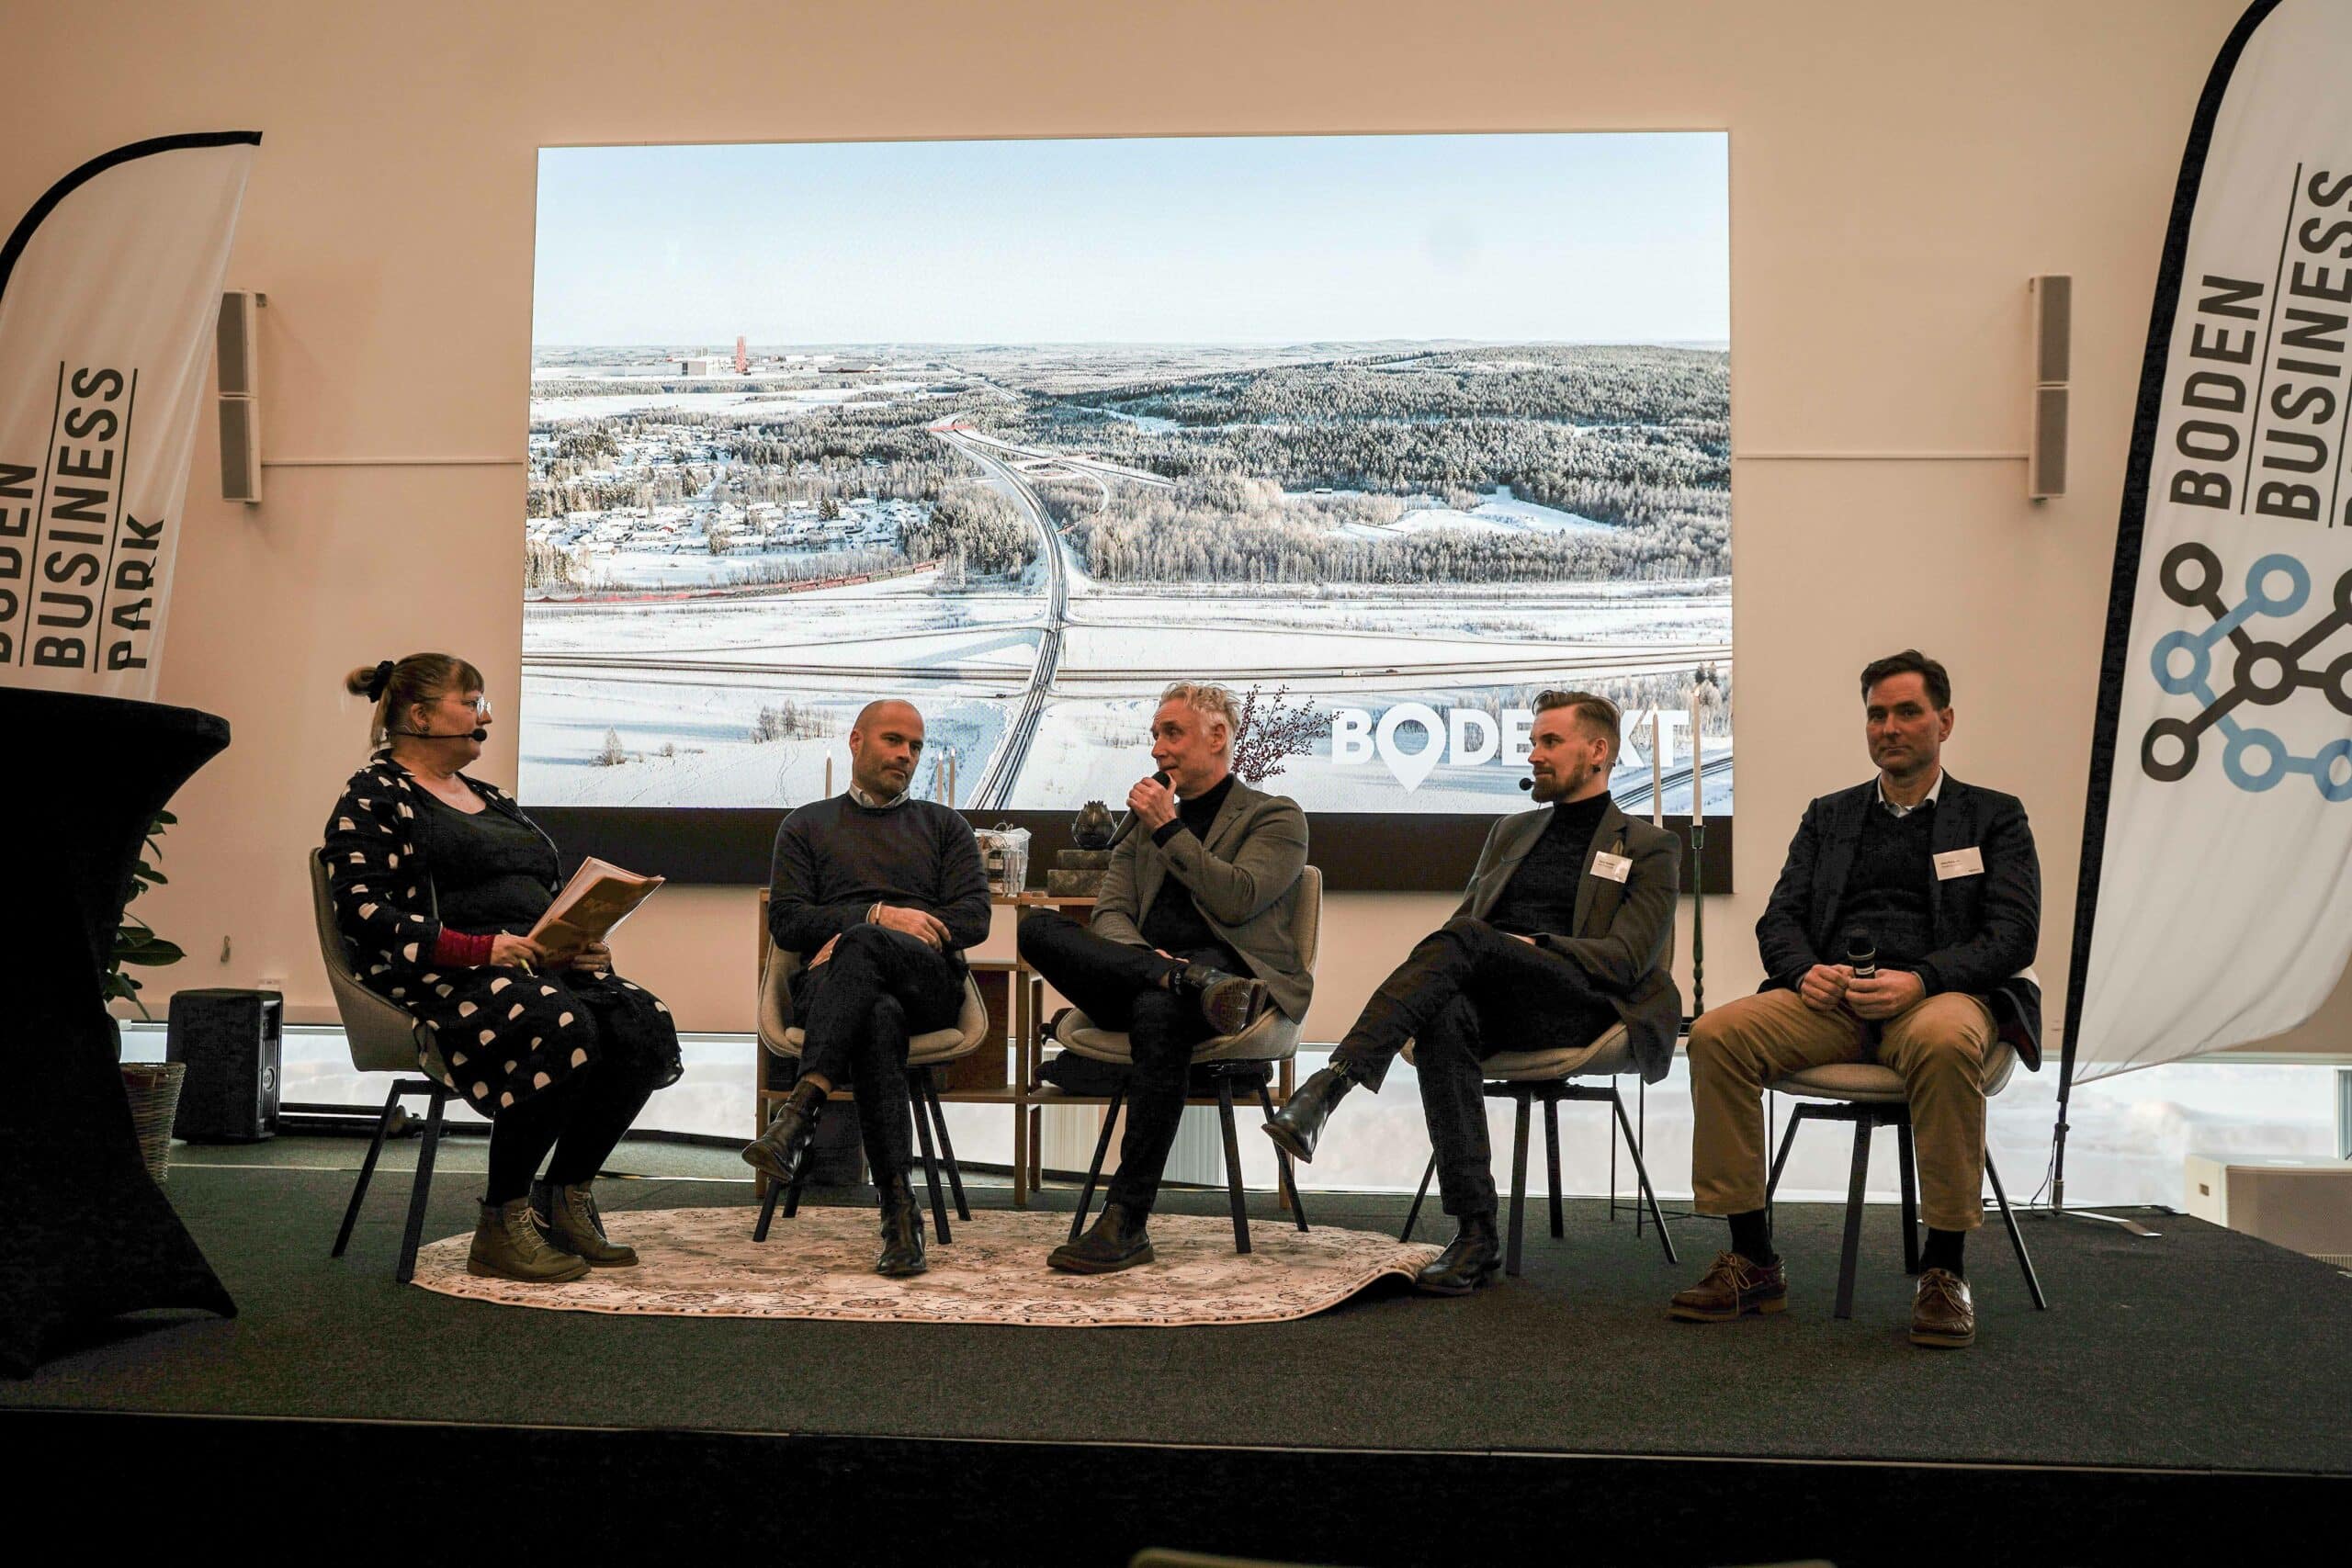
(1562, 783)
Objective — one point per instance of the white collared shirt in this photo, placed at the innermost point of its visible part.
(1900, 812)
(872, 803)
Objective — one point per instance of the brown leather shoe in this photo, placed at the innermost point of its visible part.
(1942, 1312)
(1732, 1287)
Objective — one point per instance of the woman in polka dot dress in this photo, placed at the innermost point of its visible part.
(436, 876)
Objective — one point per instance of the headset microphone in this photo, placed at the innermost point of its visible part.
(477, 735)
(1527, 783)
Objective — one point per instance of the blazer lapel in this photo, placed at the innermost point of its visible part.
(1237, 801)
(1844, 838)
(1953, 828)
(1517, 837)
(1610, 834)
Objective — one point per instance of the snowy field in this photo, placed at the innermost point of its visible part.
(732, 399)
(1500, 512)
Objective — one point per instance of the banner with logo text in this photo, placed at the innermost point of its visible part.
(109, 290)
(2214, 907)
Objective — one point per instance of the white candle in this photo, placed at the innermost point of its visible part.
(1657, 774)
(1698, 801)
(829, 778)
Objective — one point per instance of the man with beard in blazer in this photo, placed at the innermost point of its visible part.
(1938, 880)
(1566, 931)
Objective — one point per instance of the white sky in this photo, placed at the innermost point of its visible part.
(1558, 237)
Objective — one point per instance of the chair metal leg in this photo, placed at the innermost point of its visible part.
(1284, 1175)
(366, 1170)
(1847, 1255)
(1642, 1120)
(767, 1211)
(946, 1149)
(792, 1188)
(1612, 1184)
(1232, 1164)
(1909, 1177)
(1517, 1179)
(1413, 1214)
(1772, 1184)
(414, 1233)
(1552, 1157)
(2017, 1237)
(1641, 1175)
(930, 1168)
(1094, 1171)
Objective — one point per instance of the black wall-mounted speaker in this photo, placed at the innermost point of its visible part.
(234, 1045)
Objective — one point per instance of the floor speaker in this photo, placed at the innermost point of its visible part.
(232, 1043)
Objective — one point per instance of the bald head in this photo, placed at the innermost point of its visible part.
(885, 744)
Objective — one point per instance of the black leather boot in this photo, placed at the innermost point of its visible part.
(902, 1253)
(1229, 1003)
(1469, 1263)
(1300, 1122)
(1114, 1241)
(778, 1152)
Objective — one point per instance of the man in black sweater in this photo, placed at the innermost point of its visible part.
(876, 894)
(1936, 881)
(1565, 931)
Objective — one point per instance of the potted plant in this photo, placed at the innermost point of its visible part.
(152, 1088)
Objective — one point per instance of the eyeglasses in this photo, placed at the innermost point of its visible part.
(479, 702)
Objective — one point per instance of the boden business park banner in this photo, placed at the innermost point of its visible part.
(2215, 906)
(109, 290)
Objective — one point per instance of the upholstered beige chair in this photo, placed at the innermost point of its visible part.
(1250, 1055)
(1526, 1076)
(925, 1052)
(382, 1039)
(1870, 1095)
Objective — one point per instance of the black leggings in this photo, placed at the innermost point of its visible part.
(583, 1118)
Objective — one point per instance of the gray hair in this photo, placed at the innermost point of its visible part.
(1210, 700)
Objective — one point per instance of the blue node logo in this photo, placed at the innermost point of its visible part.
(2261, 674)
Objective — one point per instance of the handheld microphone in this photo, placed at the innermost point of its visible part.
(1861, 954)
(1128, 823)
(477, 735)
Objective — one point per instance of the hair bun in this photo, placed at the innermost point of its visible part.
(378, 679)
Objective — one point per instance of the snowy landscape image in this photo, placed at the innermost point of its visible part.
(1388, 434)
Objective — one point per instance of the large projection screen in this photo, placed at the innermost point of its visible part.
(1387, 432)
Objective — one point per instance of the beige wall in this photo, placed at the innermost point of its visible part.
(1898, 169)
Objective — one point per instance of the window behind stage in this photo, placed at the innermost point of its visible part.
(1388, 433)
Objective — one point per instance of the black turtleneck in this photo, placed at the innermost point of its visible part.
(1174, 923)
(1541, 894)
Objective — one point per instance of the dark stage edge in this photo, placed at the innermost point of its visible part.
(2176, 1383)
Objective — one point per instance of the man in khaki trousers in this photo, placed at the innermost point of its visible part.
(1933, 885)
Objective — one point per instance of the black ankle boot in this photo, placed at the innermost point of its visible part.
(776, 1153)
(1469, 1263)
(1114, 1241)
(1229, 1003)
(901, 1253)
(1300, 1122)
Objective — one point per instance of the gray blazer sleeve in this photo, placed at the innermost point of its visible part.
(1642, 932)
(1117, 916)
(1264, 866)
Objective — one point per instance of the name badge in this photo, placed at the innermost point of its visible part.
(1969, 861)
(1616, 868)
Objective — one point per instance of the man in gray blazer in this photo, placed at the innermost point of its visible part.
(1566, 930)
(1190, 938)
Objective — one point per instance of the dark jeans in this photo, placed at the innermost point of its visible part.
(1120, 987)
(1462, 994)
(584, 1117)
(859, 1008)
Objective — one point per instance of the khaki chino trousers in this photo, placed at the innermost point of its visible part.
(1938, 1045)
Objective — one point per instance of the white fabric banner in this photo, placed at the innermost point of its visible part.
(2215, 906)
(109, 290)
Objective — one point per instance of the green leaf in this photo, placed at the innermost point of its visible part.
(167, 819)
(146, 872)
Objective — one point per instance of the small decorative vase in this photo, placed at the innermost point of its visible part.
(1090, 829)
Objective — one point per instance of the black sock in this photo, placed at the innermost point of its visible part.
(1751, 1237)
(1944, 1251)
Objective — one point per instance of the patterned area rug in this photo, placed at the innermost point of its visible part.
(703, 1263)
